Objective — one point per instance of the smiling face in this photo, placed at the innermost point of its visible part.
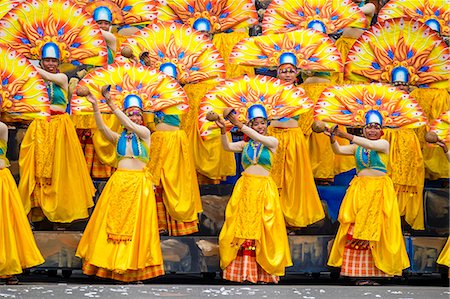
(135, 115)
(104, 25)
(372, 131)
(288, 73)
(259, 124)
(50, 65)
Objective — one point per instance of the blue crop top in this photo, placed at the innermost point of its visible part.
(172, 120)
(140, 148)
(56, 94)
(366, 158)
(263, 155)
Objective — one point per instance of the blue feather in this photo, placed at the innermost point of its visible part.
(61, 31)
(127, 8)
(191, 9)
(5, 81)
(376, 66)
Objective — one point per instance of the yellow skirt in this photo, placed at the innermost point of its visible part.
(444, 256)
(121, 240)
(407, 171)
(343, 44)
(172, 167)
(434, 102)
(225, 42)
(53, 172)
(254, 213)
(211, 160)
(292, 173)
(18, 248)
(370, 204)
(324, 163)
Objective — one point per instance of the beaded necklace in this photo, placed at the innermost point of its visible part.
(364, 154)
(257, 150)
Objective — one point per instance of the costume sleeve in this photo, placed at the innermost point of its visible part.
(379, 145)
(236, 147)
(347, 150)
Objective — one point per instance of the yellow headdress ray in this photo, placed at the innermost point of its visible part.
(441, 126)
(7, 5)
(188, 56)
(348, 105)
(309, 49)
(401, 52)
(23, 94)
(31, 25)
(157, 91)
(327, 16)
(278, 98)
(124, 11)
(213, 16)
(434, 13)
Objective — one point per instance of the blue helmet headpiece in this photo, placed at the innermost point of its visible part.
(50, 50)
(374, 116)
(255, 111)
(288, 57)
(434, 24)
(400, 76)
(317, 25)
(102, 13)
(202, 24)
(169, 69)
(132, 100)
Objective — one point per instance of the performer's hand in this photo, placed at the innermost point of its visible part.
(232, 117)
(442, 145)
(221, 124)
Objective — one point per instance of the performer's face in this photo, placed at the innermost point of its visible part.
(259, 124)
(372, 131)
(288, 73)
(135, 115)
(104, 25)
(50, 65)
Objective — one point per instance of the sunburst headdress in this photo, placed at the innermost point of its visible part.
(401, 52)
(307, 49)
(354, 105)
(441, 126)
(155, 90)
(434, 13)
(179, 51)
(122, 11)
(213, 16)
(23, 94)
(326, 16)
(7, 5)
(278, 99)
(30, 26)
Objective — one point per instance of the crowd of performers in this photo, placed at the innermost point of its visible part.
(155, 89)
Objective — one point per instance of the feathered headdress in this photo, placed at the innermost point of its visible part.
(326, 16)
(441, 126)
(30, 26)
(212, 16)
(277, 98)
(307, 49)
(156, 91)
(402, 52)
(352, 105)
(23, 94)
(179, 51)
(7, 5)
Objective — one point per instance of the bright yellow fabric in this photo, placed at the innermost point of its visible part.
(434, 102)
(254, 212)
(104, 149)
(143, 250)
(291, 171)
(172, 166)
(407, 171)
(324, 163)
(343, 44)
(211, 160)
(371, 205)
(18, 248)
(3, 149)
(225, 43)
(444, 256)
(53, 171)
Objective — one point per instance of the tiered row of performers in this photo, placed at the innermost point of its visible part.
(155, 89)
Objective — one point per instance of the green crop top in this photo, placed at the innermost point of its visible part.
(366, 158)
(140, 148)
(56, 94)
(263, 156)
(172, 120)
(3, 148)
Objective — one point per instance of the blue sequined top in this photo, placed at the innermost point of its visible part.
(366, 158)
(140, 148)
(257, 154)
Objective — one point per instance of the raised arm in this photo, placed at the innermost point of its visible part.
(59, 79)
(3, 132)
(379, 145)
(110, 39)
(236, 147)
(106, 131)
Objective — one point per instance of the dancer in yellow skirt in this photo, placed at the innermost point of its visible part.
(253, 242)
(121, 240)
(54, 180)
(369, 242)
(18, 248)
